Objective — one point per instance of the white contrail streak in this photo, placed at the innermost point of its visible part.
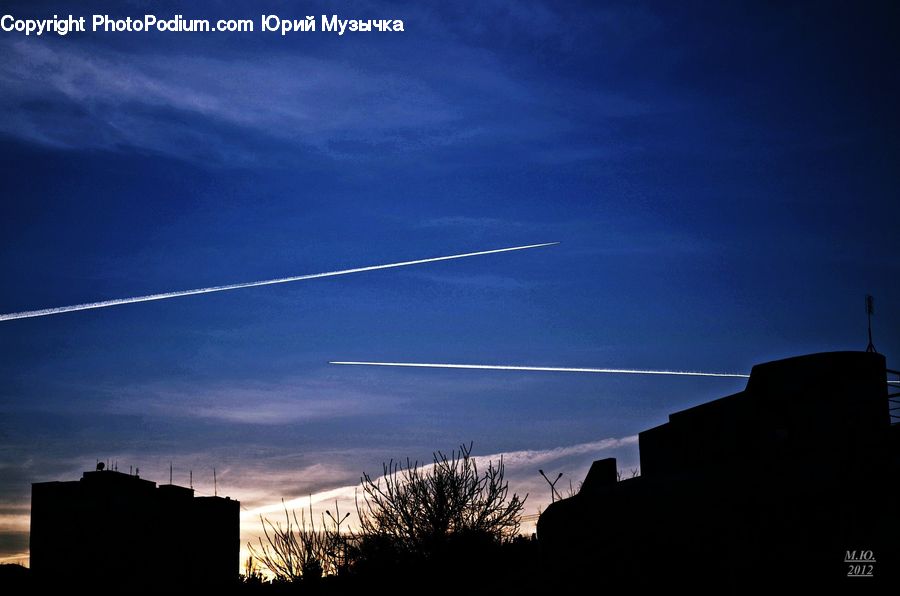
(614, 371)
(281, 280)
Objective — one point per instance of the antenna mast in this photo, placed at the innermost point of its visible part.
(215, 484)
(554, 494)
(870, 310)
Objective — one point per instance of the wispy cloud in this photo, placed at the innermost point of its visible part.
(262, 104)
(521, 472)
(286, 401)
(70, 97)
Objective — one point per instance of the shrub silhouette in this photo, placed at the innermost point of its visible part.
(412, 518)
(428, 512)
(296, 549)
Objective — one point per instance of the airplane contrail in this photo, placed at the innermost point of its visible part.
(614, 371)
(281, 280)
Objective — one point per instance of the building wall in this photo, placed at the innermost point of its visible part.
(774, 483)
(117, 529)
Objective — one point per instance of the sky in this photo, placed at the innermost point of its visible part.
(722, 180)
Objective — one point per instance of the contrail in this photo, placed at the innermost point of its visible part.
(281, 280)
(614, 371)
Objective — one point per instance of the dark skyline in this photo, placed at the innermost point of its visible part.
(722, 180)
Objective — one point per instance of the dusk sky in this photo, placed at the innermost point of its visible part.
(723, 182)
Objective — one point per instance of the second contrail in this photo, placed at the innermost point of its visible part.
(250, 284)
(614, 371)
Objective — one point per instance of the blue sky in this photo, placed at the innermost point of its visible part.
(723, 181)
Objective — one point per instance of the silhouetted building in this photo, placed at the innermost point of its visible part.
(112, 528)
(782, 482)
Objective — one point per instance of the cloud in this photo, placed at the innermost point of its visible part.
(263, 106)
(283, 402)
(532, 457)
(521, 472)
(91, 97)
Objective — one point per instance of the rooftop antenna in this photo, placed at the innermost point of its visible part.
(336, 519)
(170, 472)
(554, 494)
(215, 484)
(870, 310)
(192, 479)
